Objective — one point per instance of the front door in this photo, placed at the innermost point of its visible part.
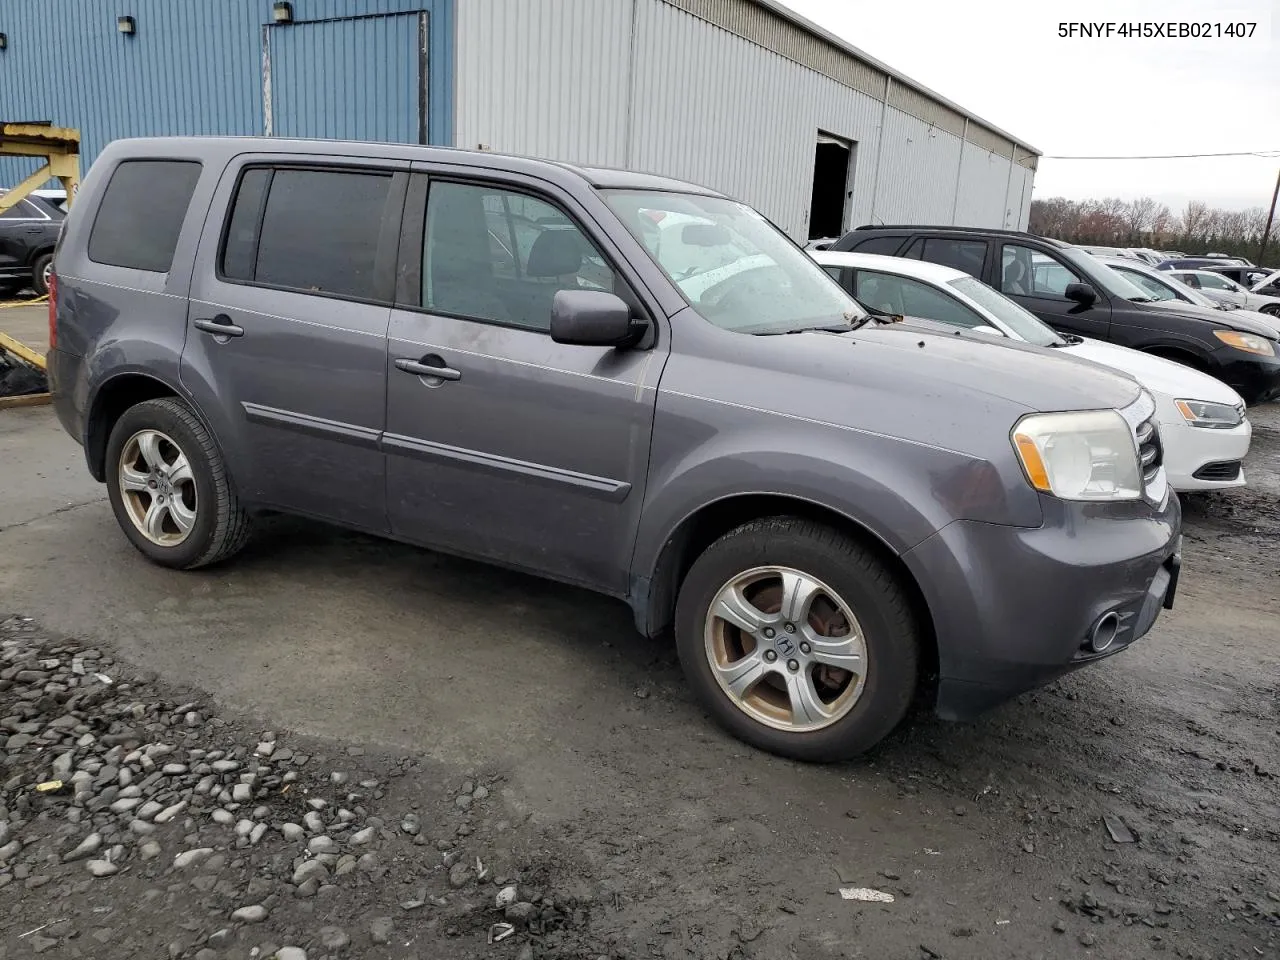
(1039, 280)
(287, 331)
(521, 450)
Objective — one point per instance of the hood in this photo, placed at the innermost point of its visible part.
(1246, 321)
(1160, 376)
(1037, 378)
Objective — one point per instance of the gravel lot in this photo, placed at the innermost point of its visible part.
(449, 714)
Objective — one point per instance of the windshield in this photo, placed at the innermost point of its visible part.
(734, 267)
(1098, 273)
(1023, 323)
(1162, 288)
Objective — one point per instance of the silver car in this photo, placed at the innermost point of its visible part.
(1225, 290)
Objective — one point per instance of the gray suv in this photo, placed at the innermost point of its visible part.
(613, 380)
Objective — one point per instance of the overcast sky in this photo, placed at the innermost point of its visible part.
(1004, 61)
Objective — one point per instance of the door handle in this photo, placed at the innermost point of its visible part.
(422, 368)
(220, 326)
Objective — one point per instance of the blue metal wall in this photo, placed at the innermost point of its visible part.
(196, 67)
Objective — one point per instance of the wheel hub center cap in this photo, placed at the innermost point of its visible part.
(785, 644)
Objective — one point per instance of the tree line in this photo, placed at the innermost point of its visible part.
(1145, 222)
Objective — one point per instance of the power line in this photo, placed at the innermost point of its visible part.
(1266, 154)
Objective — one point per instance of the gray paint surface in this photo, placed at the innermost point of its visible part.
(580, 463)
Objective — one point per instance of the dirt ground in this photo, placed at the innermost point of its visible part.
(609, 793)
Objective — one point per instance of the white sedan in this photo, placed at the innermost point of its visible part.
(1202, 421)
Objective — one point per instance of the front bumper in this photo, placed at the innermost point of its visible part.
(1013, 606)
(1188, 449)
(1256, 379)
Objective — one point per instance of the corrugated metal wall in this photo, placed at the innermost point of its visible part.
(917, 182)
(984, 178)
(675, 94)
(193, 67)
(545, 77)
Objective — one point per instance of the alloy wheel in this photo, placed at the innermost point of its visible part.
(158, 488)
(785, 648)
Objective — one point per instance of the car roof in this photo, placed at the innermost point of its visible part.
(918, 269)
(554, 170)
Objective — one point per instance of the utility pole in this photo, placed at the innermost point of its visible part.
(1266, 231)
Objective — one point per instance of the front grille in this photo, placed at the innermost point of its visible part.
(1150, 450)
(1223, 471)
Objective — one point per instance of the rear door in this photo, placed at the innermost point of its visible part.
(287, 329)
(523, 451)
(1038, 280)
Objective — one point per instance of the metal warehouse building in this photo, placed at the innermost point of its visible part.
(740, 95)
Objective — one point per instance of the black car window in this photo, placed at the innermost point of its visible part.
(497, 255)
(916, 250)
(319, 230)
(141, 214)
(23, 210)
(889, 293)
(1026, 272)
(968, 256)
(884, 245)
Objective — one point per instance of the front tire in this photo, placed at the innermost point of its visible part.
(798, 639)
(1271, 309)
(169, 487)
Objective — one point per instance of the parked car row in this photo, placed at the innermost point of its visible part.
(642, 387)
(1076, 293)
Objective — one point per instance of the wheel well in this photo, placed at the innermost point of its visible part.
(713, 521)
(1178, 355)
(113, 399)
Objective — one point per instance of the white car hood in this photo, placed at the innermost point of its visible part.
(1160, 376)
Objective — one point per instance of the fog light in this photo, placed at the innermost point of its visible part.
(1103, 633)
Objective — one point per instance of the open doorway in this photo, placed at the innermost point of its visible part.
(828, 211)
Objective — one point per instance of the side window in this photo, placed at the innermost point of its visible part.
(1190, 279)
(912, 298)
(24, 210)
(320, 230)
(916, 250)
(966, 255)
(883, 245)
(842, 276)
(497, 255)
(1030, 273)
(1214, 282)
(141, 214)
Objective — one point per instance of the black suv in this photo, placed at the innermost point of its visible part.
(28, 233)
(1075, 293)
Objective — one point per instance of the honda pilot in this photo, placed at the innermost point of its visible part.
(614, 380)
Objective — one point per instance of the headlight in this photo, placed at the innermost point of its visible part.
(1215, 416)
(1089, 455)
(1248, 342)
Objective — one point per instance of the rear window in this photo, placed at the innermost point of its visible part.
(310, 230)
(141, 214)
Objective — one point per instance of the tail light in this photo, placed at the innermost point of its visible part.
(53, 310)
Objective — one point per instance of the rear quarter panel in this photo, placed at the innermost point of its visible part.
(113, 321)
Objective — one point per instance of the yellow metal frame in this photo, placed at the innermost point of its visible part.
(58, 146)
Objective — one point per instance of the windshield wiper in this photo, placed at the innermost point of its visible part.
(843, 328)
(1142, 299)
(1067, 340)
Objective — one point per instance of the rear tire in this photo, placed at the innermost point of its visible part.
(823, 599)
(40, 274)
(169, 487)
(1271, 309)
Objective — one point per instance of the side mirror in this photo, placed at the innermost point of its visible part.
(1081, 293)
(987, 331)
(593, 318)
